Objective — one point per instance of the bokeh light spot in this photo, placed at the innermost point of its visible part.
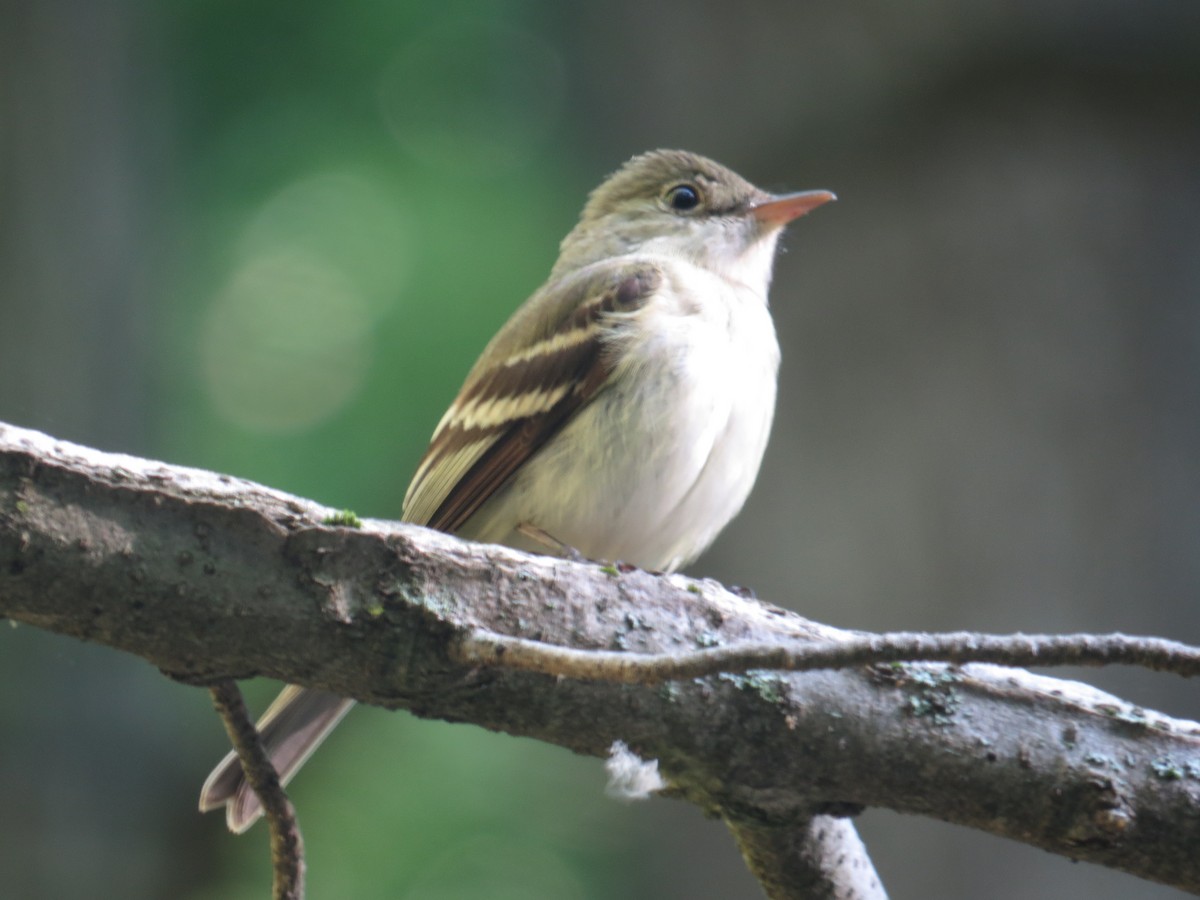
(344, 219)
(286, 344)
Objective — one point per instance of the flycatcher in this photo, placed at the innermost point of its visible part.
(622, 411)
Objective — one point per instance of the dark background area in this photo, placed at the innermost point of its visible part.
(269, 239)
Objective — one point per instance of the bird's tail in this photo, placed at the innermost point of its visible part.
(291, 729)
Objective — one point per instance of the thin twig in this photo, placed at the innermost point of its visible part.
(486, 648)
(287, 846)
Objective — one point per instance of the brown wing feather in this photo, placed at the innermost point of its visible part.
(543, 385)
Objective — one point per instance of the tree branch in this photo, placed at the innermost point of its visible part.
(821, 859)
(487, 649)
(210, 577)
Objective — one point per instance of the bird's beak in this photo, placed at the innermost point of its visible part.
(778, 211)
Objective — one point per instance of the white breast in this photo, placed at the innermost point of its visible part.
(660, 461)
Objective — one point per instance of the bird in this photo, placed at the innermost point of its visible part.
(620, 414)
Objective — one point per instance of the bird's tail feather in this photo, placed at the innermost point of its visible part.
(291, 729)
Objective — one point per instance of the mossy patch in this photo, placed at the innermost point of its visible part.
(346, 518)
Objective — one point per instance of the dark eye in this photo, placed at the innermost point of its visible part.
(683, 197)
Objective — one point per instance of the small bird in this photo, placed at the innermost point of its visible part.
(621, 413)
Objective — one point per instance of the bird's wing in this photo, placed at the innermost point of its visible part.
(525, 387)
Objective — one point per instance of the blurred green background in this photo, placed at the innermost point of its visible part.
(269, 238)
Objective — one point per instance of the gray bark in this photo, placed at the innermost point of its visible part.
(207, 577)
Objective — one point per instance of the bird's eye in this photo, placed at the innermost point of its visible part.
(683, 197)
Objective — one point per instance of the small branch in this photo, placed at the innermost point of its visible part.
(287, 846)
(818, 859)
(484, 648)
